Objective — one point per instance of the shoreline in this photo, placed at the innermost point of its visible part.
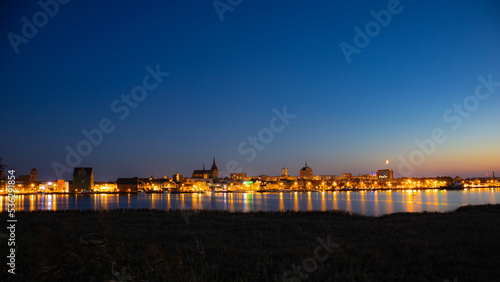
(258, 191)
(228, 212)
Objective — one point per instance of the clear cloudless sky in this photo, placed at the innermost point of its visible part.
(227, 76)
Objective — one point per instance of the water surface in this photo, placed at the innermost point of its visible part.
(372, 203)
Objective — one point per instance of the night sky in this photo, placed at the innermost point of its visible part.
(229, 72)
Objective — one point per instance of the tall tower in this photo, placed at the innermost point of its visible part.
(284, 172)
(306, 172)
(34, 175)
(214, 170)
(83, 179)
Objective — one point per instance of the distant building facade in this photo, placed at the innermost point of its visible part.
(203, 173)
(83, 179)
(128, 184)
(177, 177)
(34, 175)
(62, 185)
(347, 176)
(284, 172)
(239, 176)
(3, 180)
(24, 179)
(306, 172)
(385, 174)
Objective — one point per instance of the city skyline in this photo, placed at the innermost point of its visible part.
(224, 174)
(156, 89)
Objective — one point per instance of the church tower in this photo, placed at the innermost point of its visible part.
(34, 175)
(214, 171)
(306, 172)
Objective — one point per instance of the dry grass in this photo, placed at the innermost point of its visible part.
(157, 245)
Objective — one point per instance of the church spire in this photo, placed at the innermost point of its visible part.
(214, 166)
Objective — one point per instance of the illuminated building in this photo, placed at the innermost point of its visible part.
(177, 177)
(238, 176)
(62, 185)
(347, 176)
(263, 177)
(284, 172)
(385, 174)
(83, 179)
(326, 177)
(28, 181)
(306, 172)
(203, 173)
(3, 180)
(128, 184)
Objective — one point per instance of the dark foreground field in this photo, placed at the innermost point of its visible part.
(221, 246)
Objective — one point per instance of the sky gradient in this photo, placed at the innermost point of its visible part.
(226, 77)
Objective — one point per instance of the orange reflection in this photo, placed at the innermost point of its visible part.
(194, 202)
(335, 203)
(32, 202)
(323, 201)
(231, 203)
(296, 202)
(104, 199)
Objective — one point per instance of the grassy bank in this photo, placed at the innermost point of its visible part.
(221, 246)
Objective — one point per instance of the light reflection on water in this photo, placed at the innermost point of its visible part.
(373, 203)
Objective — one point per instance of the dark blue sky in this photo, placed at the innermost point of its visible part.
(226, 77)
